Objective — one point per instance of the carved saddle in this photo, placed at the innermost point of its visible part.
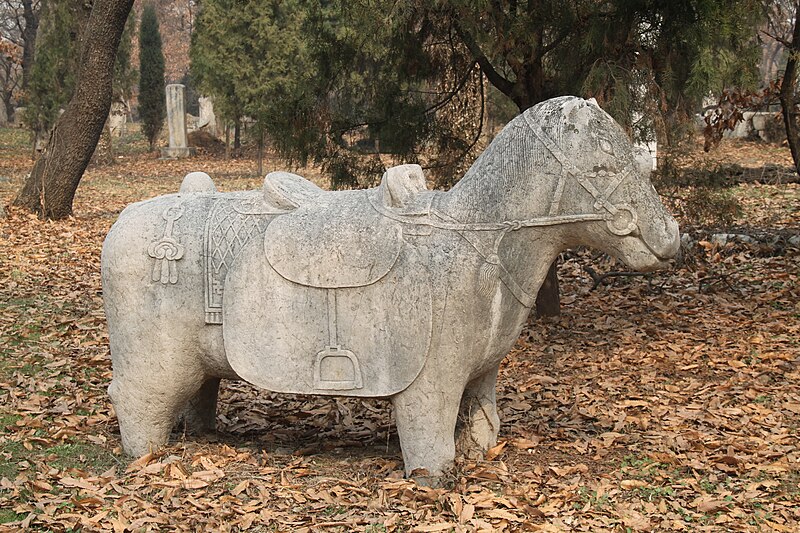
(333, 299)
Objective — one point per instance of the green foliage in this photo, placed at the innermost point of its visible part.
(344, 82)
(702, 48)
(56, 64)
(217, 53)
(636, 57)
(125, 75)
(253, 59)
(329, 82)
(152, 99)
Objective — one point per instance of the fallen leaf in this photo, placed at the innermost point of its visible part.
(493, 452)
(629, 484)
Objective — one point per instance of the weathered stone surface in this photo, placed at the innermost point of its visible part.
(176, 122)
(207, 119)
(396, 291)
(117, 119)
(757, 125)
(725, 238)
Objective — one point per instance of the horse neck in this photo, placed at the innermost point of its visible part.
(515, 179)
(509, 181)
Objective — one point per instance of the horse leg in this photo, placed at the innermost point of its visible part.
(478, 422)
(426, 418)
(200, 414)
(147, 404)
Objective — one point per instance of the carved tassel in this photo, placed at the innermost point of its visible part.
(489, 275)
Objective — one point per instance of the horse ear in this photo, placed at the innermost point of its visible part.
(573, 104)
(401, 184)
(593, 102)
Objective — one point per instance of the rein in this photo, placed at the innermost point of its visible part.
(620, 219)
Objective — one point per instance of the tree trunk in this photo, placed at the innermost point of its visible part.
(548, 301)
(260, 171)
(50, 188)
(31, 18)
(237, 136)
(9, 107)
(788, 105)
(227, 141)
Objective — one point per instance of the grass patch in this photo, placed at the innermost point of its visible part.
(134, 142)
(77, 455)
(7, 515)
(11, 453)
(7, 419)
(655, 493)
(15, 138)
(81, 456)
(591, 498)
(641, 467)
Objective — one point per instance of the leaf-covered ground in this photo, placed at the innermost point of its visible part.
(668, 402)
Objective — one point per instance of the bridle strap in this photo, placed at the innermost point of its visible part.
(522, 296)
(568, 168)
(505, 226)
(615, 219)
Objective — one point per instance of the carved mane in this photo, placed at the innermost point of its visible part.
(515, 163)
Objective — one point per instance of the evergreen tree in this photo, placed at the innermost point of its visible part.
(52, 78)
(252, 57)
(124, 73)
(152, 98)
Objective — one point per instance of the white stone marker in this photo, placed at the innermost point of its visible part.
(207, 118)
(176, 120)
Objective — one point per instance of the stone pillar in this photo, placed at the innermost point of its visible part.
(117, 119)
(176, 120)
(207, 118)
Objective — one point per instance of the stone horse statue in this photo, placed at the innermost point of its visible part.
(395, 292)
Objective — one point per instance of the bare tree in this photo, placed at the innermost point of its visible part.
(10, 75)
(19, 24)
(778, 30)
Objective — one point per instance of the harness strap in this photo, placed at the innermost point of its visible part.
(615, 183)
(508, 225)
(601, 200)
(522, 296)
(551, 146)
(555, 205)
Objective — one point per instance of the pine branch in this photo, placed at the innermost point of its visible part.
(495, 78)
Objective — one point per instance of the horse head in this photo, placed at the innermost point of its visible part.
(601, 178)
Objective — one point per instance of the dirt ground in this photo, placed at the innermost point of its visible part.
(665, 402)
